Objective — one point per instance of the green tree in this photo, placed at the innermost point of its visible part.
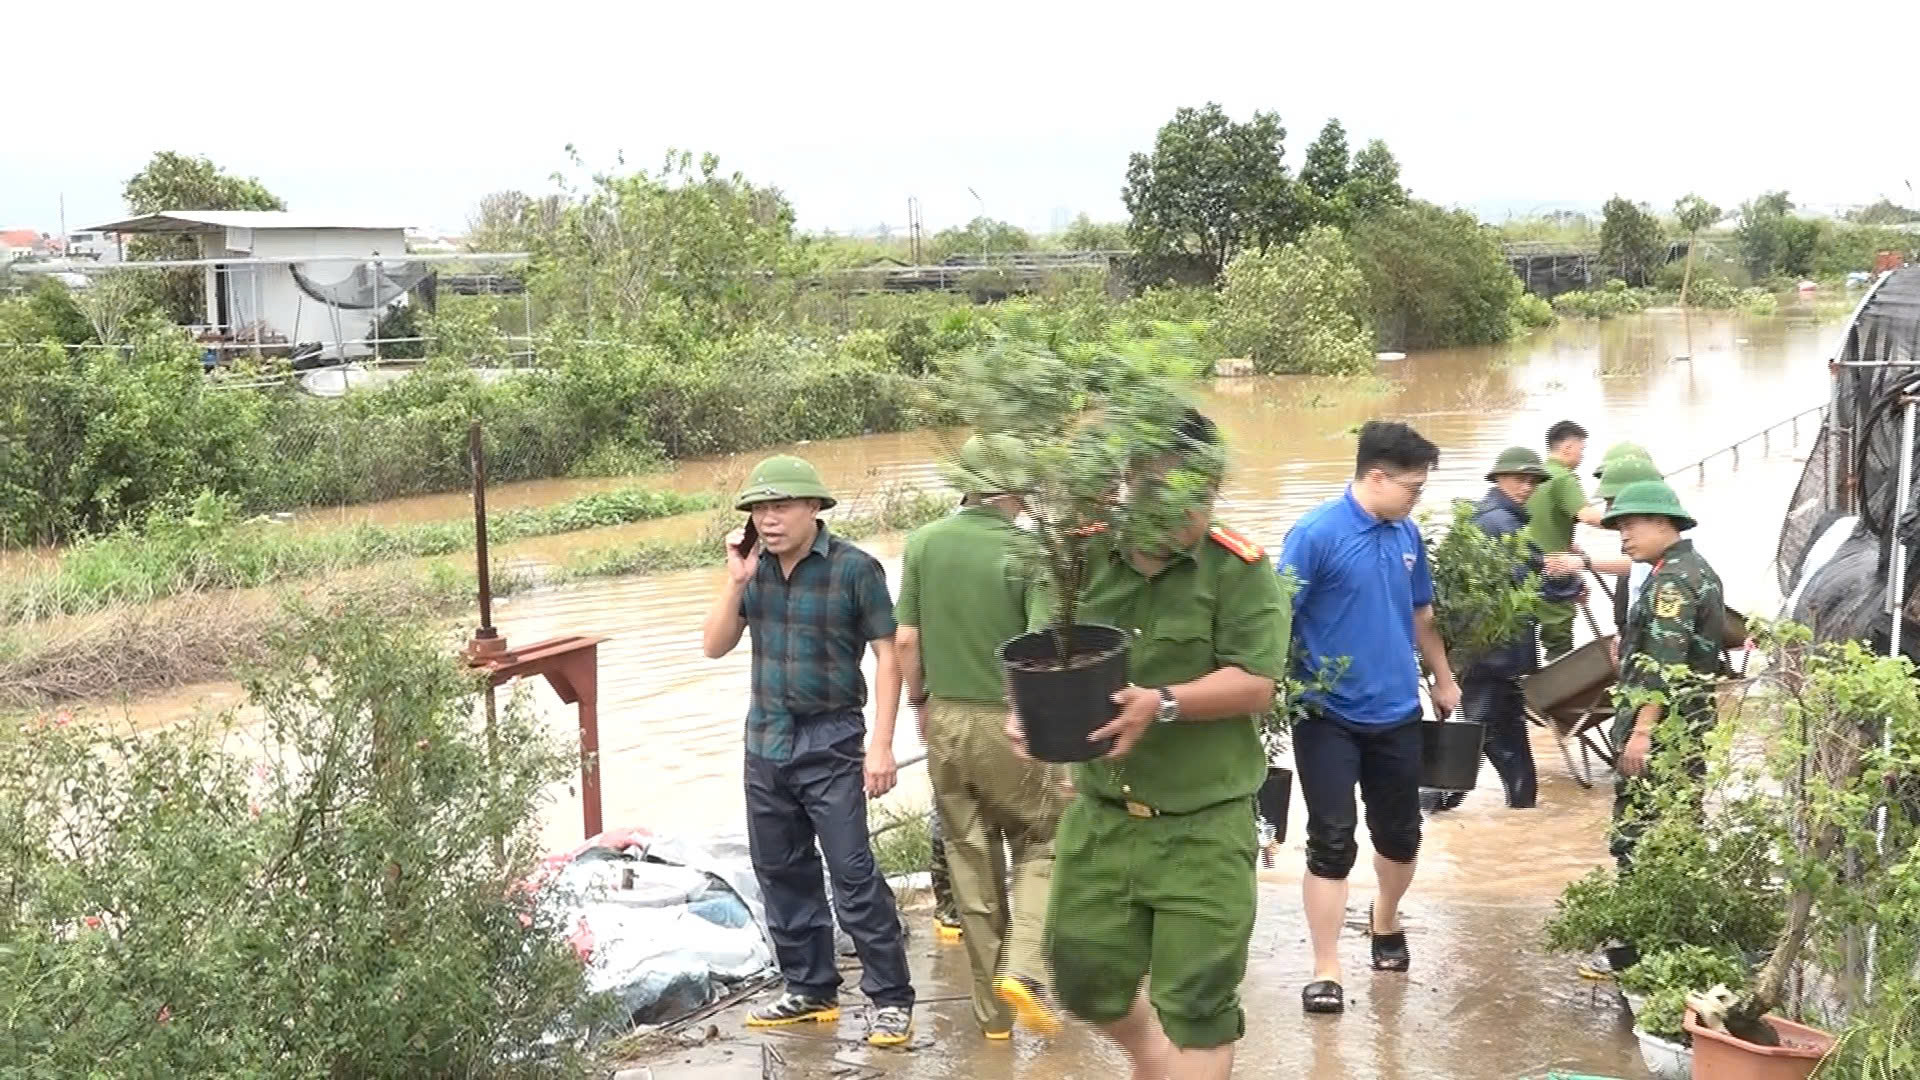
(1631, 241)
(981, 236)
(1694, 214)
(1325, 170)
(1086, 234)
(1435, 277)
(1373, 183)
(513, 221)
(1299, 307)
(1884, 212)
(1210, 189)
(173, 181)
(1772, 240)
(686, 252)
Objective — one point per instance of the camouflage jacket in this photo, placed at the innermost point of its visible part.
(1675, 620)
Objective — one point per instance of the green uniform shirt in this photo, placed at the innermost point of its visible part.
(955, 586)
(1554, 508)
(1207, 609)
(1676, 619)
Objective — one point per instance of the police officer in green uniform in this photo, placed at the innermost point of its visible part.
(1154, 860)
(1675, 620)
(958, 604)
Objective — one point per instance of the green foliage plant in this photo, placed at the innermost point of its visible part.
(1078, 422)
(1848, 750)
(1479, 601)
(346, 904)
(1299, 308)
(1703, 870)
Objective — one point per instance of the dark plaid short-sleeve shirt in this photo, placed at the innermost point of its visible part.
(809, 632)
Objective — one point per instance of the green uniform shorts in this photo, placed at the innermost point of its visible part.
(1171, 897)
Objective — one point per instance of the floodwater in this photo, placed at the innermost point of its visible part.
(670, 720)
(1482, 1000)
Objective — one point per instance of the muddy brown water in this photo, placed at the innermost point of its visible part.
(670, 720)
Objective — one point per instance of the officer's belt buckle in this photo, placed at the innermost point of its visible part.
(1135, 809)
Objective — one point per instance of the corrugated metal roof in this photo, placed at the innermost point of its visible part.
(208, 220)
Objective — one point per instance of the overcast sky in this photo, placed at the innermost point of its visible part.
(414, 110)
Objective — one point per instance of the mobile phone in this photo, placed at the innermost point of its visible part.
(748, 537)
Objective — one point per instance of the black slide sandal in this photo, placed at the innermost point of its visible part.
(1389, 950)
(1324, 996)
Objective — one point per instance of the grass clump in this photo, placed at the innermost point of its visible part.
(208, 548)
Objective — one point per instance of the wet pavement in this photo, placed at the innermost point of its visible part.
(1482, 1001)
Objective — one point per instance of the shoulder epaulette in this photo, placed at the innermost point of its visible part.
(1247, 550)
(1094, 529)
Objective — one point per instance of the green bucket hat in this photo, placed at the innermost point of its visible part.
(992, 465)
(783, 477)
(1647, 497)
(1618, 451)
(1518, 461)
(1624, 471)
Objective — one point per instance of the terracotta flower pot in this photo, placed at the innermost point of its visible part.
(1719, 1056)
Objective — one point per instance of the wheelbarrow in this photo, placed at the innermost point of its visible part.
(1572, 697)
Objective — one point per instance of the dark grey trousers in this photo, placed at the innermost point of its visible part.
(820, 796)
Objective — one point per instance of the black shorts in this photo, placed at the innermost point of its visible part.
(1334, 756)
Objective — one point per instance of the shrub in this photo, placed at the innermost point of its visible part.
(1613, 298)
(338, 909)
(1436, 278)
(1698, 877)
(1530, 312)
(1298, 308)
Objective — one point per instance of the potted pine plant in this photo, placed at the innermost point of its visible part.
(1068, 421)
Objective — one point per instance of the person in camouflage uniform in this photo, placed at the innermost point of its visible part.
(1676, 620)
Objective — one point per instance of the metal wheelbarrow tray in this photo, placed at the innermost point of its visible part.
(1572, 696)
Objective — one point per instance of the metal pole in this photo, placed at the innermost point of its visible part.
(476, 454)
(1896, 606)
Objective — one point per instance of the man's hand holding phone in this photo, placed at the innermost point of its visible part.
(743, 553)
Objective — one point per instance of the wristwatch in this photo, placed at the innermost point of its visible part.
(1169, 710)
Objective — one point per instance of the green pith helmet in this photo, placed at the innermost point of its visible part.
(1624, 471)
(1647, 497)
(1518, 461)
(991, 466)
(783, 477)
(1620, 450)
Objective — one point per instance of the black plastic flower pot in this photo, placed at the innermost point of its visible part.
(1060, 706)
(1450, 753)
(1276, 794)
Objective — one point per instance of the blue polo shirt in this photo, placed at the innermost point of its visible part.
(1360, 579)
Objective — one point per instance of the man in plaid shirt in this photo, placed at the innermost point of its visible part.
(815, 606)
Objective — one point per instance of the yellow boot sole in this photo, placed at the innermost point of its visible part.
(824, 1016)
(1030, 1011)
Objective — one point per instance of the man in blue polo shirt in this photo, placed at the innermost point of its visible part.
(1362, 607)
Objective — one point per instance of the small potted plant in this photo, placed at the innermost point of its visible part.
(1657, 989)
(1483, 597)
(1070, 423)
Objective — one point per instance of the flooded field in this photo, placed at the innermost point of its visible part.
(670, 720)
